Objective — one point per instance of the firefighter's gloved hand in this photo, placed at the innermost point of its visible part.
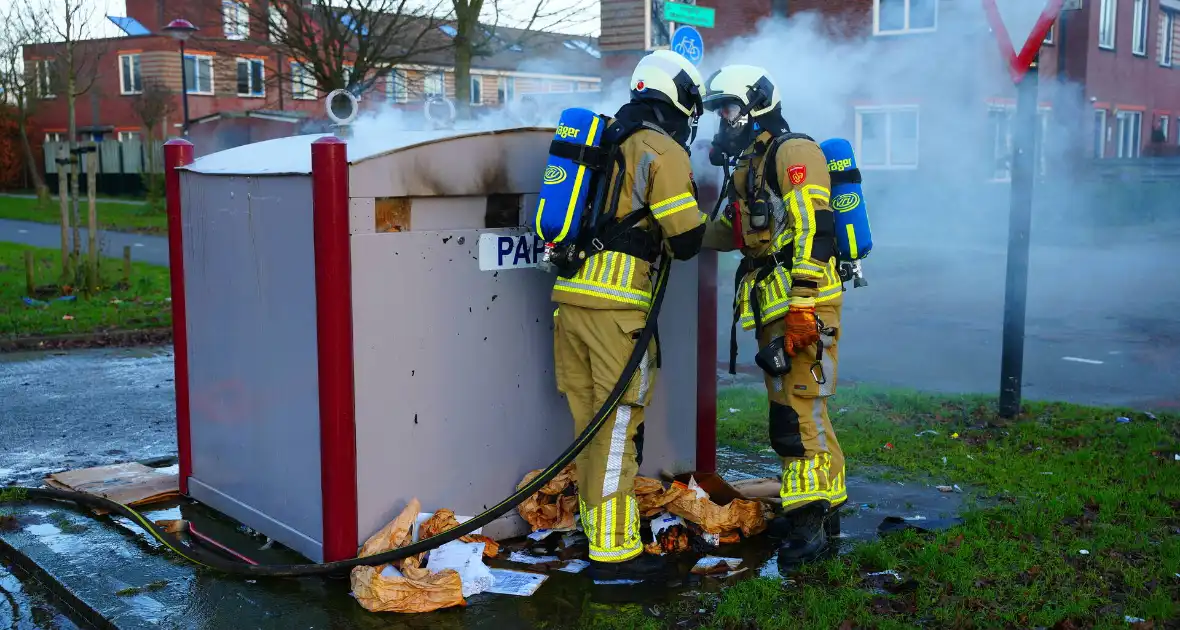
(802, 329)
(716, 157)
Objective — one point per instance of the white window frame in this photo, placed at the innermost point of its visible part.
(1164, 122)
(506, 90)
(558, 86)
(303, 87)
(276, 26)
(1132, 147)
(54, 136)
(889, 110)
(195, 75)
(1049, 36)
(250, 62)
(235, 19)
(123, 136)
(1100, 126)
(132, 60)
(429, 79)
(397, 87)
(476, 89)
(1139, 37)
(905, 30)
(1044, 115)
(43, 71)
(1108, 21)
(1167, 42)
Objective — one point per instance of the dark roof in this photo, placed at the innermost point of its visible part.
(291, 115)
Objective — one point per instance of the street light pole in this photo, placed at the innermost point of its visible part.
(1019, 223)
(183, 91)
(181, 30)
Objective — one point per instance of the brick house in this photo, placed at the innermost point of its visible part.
(241, 90)
(1120, 97)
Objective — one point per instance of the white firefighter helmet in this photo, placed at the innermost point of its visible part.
(742, 90)
(667, 76)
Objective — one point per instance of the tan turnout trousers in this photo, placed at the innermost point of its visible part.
(800, 429)
(591, 346)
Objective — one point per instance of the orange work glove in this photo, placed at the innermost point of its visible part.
(802, 329)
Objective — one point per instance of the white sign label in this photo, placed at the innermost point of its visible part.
(509, 251)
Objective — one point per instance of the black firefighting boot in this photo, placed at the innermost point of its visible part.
(641, 567)
(808, 538)
(781, 527)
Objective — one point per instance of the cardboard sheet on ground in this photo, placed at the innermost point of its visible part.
(555, 505)
(130, 484)
(407, 588)
(709, 502)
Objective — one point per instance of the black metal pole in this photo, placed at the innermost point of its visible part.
(183, 91)
(1019, 223)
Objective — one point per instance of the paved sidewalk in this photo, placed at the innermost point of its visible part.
(144, 248)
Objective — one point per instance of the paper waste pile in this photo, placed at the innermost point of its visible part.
(696, 513)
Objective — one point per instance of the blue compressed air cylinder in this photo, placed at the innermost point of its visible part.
(854, 237)
(567, 183)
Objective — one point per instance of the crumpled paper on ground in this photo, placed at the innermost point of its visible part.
(412, 589)
(555, 505)
(652, 496)
(443, 520)
(748, 516)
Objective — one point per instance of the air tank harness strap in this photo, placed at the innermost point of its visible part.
(764, 266)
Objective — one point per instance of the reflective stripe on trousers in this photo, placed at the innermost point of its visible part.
(600, 524)
(608, 275)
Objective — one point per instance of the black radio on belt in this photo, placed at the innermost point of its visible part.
(759, 207)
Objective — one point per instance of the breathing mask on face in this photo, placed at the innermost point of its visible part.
(735, 131)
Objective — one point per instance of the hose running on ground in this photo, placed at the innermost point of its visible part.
(204, 558)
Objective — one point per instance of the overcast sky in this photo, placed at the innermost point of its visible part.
(513, 9)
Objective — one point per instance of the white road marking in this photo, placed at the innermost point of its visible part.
(138, 245)
(1078, 360)
(22, 231)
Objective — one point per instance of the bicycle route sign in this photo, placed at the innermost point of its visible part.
(688, 43)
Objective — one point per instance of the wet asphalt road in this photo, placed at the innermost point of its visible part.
(1103, 325)
(144, 248)
(60, 411)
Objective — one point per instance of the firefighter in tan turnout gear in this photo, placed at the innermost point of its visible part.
(788, 290)
(603, 307)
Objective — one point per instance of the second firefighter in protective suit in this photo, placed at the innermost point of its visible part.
(788, 289)
(604, 306)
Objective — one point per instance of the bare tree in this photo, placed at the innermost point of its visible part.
(154, 103)
(474, 39)
(17, 31)
(77, 65)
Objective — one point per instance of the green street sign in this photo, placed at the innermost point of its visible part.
(688, 14)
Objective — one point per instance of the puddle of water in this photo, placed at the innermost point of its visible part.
(24, 605)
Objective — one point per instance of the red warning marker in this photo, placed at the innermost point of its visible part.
(1019, 18)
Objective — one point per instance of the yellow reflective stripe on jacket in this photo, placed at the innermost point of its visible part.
(801, 204)
(774, 294)
(807, 480)
(600, 524)
(609, 275)
(683, 201)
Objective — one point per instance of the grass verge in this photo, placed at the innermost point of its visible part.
(1085, 532)
(119, 217)
(142, 303)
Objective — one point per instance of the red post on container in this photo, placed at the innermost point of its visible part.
(178, 153)
(707, 361)
(333, 294)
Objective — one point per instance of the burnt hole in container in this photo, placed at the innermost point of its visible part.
(503, 211)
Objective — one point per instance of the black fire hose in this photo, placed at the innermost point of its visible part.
(213, 561)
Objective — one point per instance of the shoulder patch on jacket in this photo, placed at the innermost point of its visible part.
(797, 173)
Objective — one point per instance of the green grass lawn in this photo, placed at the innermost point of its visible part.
(122, 217)
(142, 304)
(1062, 479)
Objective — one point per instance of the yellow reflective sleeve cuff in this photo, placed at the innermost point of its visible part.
(672, 205)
